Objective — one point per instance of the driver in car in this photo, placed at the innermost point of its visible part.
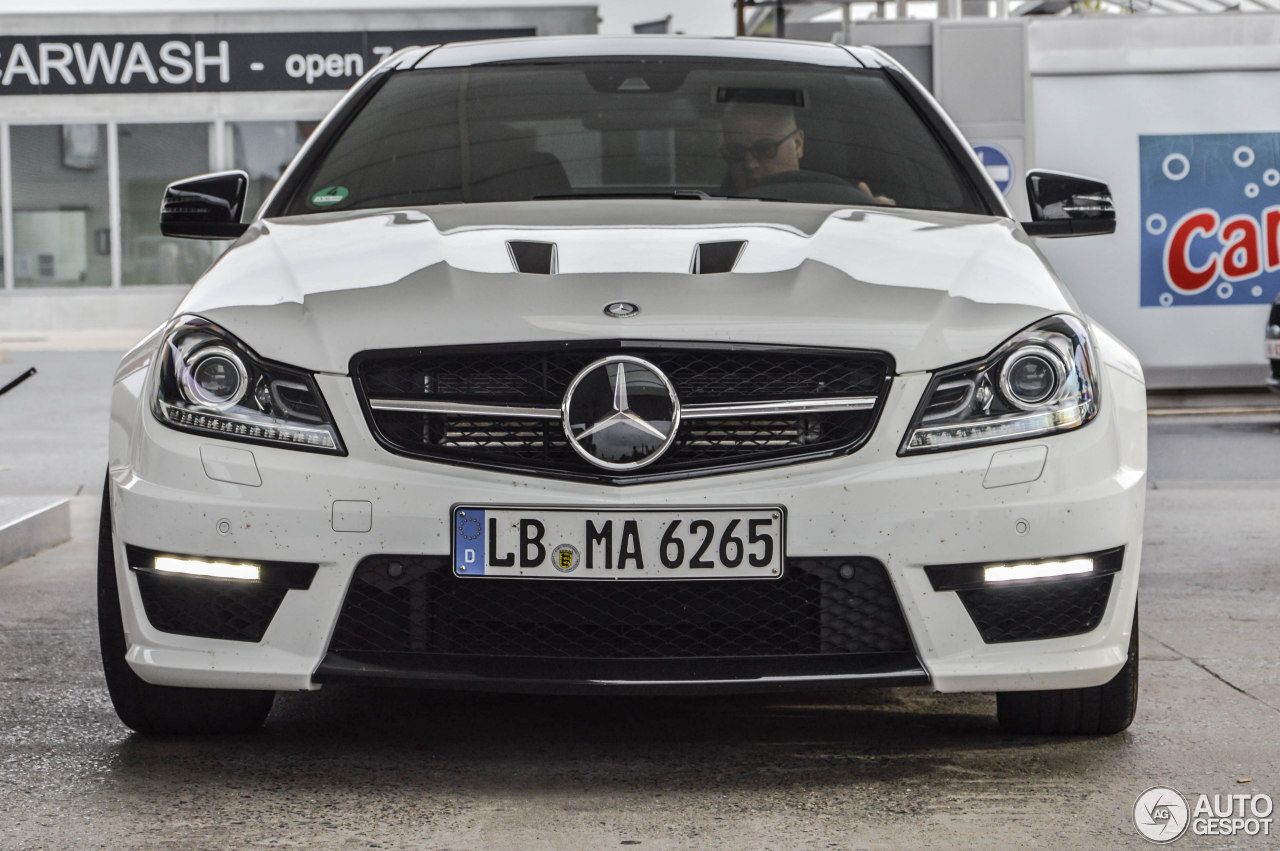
(761, 140)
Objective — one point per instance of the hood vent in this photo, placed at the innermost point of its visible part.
(711, 258)
(533, 258)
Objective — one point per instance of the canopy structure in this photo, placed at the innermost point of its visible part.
(811, 18)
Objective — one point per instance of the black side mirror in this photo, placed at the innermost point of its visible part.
(1068, 205)
(205, 207)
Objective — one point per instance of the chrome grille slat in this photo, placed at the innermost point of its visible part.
(689, 412)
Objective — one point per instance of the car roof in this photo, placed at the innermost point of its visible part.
(591, 46)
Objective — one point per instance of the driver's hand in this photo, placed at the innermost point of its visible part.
(879, 199)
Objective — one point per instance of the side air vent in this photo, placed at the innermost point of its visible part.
(533, 258)
(711, 258)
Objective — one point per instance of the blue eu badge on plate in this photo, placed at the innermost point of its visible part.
(468, 541)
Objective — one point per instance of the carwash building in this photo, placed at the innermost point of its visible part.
(99, 112)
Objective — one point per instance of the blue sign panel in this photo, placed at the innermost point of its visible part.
(998, 164)
(1210, 218)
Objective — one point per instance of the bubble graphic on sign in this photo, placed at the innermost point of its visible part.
(1255, 291)
(1225, 290)
(1243, 156)
(1166, 299)
(1173, 159)
(1271, 177)
(1156, 224)
(1251, 190)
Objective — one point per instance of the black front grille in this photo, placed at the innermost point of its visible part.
(1054, 609)
(209, 608)
(415, 607)
(540, 375)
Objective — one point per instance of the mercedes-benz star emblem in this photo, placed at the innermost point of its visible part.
(620, 413)
(621, 309)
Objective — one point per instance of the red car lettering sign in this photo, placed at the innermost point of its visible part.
(1210, 219)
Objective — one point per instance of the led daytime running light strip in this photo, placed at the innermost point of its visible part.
(1027, 425)
(210, 569)
(1043, 570)
(321, 437)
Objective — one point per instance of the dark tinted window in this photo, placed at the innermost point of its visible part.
(747, 129)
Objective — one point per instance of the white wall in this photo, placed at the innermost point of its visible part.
(1094, 85)
(1180, 346)
(1098, 85)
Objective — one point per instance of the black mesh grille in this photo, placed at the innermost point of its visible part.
(1051, 610)
(208, 608)
(414, 605)
(540, 377)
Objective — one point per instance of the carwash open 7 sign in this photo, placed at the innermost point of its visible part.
(1210, 219)
(214, 62)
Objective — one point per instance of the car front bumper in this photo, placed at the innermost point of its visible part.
(184, 494)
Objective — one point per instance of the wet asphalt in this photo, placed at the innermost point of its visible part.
(353, 767)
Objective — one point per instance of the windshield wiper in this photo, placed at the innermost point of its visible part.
(679, 194)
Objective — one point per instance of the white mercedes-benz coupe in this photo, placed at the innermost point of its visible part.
(627, 365)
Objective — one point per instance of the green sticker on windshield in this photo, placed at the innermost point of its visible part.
(329, 196)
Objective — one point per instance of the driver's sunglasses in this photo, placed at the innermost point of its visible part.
(760, 149)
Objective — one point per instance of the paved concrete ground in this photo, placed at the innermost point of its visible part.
(366, 768)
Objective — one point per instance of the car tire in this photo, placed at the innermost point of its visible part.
(163, 710)
(1093, 711)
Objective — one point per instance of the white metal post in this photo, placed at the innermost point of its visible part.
(6, 205)
(218, 146)
(114, 215)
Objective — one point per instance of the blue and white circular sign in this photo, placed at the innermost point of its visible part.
(998, 164)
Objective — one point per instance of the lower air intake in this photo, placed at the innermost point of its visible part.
(208, 608)
(415, 606)
(1051, 610)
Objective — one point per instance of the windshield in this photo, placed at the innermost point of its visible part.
(666, 128)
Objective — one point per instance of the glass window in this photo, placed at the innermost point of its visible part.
(264, 149)
(151, 157)
(3, 261)
(61, 224)
(732, 128)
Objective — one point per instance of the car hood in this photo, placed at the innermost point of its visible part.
(929, 288)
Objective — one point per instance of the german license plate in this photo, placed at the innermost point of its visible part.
(1273, 349)
(633, 543)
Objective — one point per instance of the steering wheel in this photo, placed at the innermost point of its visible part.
(807, 185)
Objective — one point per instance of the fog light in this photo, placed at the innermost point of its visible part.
(1043, 570)
(209, 569)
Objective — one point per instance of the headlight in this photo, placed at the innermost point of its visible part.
(208, 382)
(1040, 382)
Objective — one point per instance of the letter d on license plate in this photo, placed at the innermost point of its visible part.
(634, 543)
